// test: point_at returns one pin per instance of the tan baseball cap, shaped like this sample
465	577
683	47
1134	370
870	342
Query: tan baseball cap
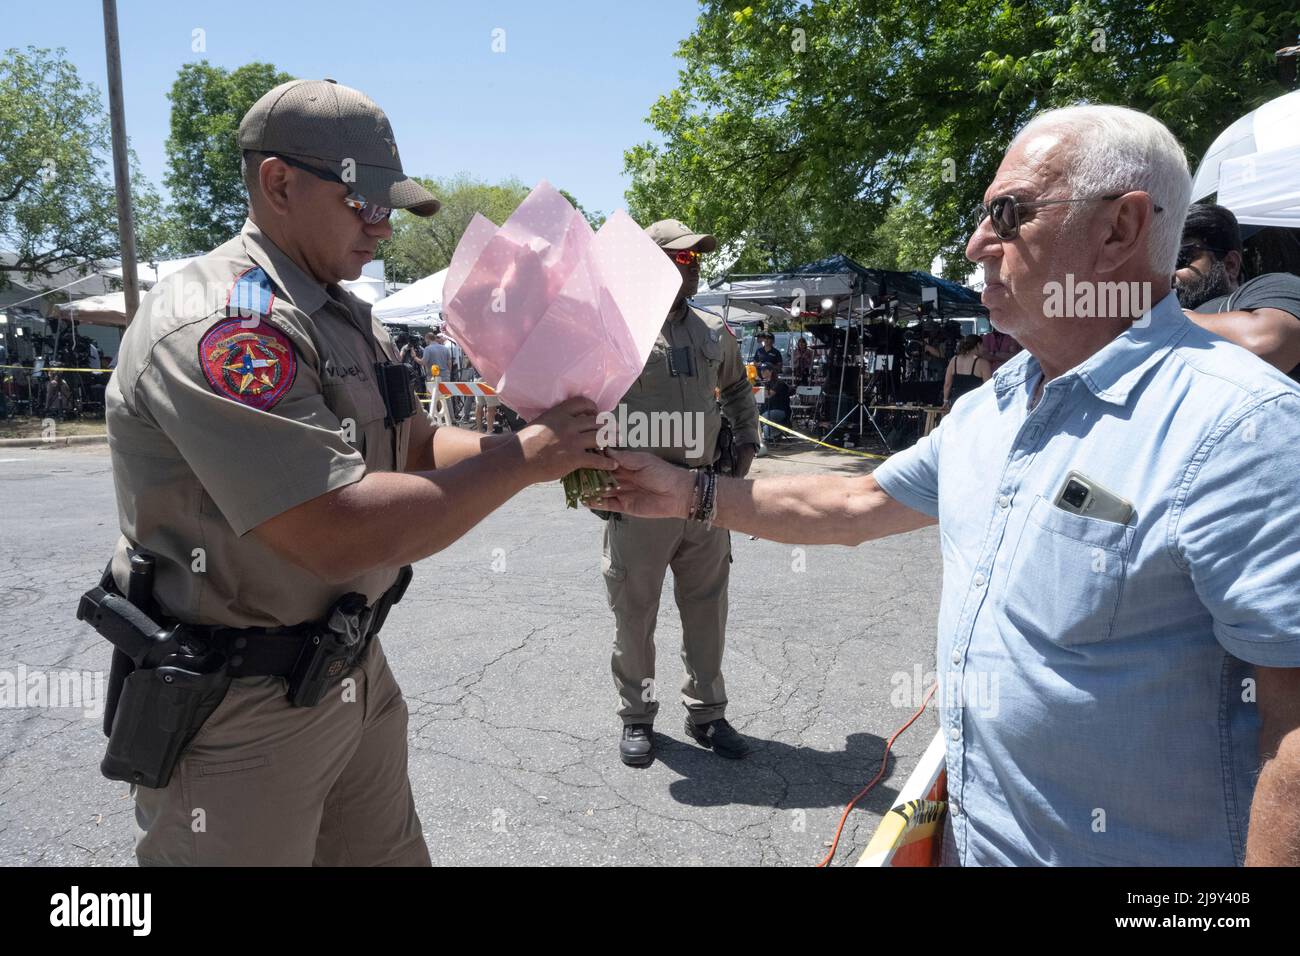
675	234
344	131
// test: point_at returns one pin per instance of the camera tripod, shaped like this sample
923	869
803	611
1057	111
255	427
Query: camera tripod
861	409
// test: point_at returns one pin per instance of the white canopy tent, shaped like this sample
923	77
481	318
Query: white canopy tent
108	309
366	288
150	274
369	286
419	305
1254	165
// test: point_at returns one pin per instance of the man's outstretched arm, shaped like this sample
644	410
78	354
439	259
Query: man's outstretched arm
819	509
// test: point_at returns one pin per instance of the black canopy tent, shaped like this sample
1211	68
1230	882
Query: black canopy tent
854	289
860	315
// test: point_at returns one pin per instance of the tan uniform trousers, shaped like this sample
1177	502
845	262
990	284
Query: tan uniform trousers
267	784
638	552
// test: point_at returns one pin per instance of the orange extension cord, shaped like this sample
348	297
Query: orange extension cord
884	762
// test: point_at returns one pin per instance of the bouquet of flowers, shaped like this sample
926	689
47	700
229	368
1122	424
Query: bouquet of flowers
548	310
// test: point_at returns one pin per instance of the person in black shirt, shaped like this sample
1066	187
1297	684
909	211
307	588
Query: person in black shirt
767	353
777	406
1261	315
967	371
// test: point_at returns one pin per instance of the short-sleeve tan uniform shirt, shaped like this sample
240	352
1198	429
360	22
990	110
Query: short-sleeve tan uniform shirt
719	379
244	388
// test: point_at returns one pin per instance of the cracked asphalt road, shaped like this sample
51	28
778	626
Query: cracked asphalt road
502	649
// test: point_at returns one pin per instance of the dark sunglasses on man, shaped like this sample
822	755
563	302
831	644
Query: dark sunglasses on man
370	214
686	257
1189	252
1003	212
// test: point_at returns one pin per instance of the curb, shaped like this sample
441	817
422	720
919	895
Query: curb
53	442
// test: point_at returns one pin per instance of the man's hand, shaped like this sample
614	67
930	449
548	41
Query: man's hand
648	487
562	440
745	458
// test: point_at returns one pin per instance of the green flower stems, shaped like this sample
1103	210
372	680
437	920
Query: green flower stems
585	483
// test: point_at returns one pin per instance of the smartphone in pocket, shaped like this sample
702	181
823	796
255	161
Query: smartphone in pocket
1082	495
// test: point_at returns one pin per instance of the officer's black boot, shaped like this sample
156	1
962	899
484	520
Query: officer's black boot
718	736
637	748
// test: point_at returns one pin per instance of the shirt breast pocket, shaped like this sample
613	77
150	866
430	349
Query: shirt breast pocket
1067	576
708	366
655	371
358	407
711	354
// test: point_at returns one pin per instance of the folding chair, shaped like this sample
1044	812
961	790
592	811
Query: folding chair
804	402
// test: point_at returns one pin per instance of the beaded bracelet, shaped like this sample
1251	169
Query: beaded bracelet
702	511
699	497
708	505
691	510
705	501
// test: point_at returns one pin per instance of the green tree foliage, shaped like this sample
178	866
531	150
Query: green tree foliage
208	201
57	205
421	246
594	219
872	127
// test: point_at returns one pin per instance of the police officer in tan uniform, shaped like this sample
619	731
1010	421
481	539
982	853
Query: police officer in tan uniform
695	366
273	482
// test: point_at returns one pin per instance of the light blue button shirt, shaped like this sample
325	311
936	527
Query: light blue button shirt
1097	692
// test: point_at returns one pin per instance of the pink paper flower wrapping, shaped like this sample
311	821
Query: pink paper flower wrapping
548	310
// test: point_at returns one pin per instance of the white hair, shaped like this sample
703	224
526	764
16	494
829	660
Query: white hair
1117	150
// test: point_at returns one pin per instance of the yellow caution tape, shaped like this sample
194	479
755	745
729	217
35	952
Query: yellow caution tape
837	448
56	368
842	451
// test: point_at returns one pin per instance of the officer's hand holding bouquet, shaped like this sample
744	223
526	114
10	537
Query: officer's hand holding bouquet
547	310
563	440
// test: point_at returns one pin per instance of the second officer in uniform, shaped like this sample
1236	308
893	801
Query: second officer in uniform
695	366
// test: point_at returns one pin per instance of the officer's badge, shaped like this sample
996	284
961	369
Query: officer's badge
253	366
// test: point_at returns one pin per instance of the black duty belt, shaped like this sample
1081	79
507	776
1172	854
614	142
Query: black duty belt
273	651
309	655
167	677
277	651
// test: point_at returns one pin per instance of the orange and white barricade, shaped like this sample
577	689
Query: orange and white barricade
441	412
911	833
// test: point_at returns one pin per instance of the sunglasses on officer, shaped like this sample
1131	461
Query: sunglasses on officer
370	214
686	257
1003	212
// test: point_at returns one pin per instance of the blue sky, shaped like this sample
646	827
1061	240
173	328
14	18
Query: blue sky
569	93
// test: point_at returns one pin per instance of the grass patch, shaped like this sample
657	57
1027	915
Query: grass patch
35	427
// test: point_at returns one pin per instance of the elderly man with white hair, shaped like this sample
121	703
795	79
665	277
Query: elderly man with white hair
1119	526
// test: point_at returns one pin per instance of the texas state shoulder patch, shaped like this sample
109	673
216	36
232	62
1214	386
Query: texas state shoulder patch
255	366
